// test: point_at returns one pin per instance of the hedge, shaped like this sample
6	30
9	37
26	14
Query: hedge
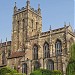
15	74
8	73
19	74
5	70
45	72
57	72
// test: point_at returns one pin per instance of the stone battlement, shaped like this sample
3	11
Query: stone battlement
27	7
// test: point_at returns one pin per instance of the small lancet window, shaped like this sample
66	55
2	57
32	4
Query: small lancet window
36	25
32	24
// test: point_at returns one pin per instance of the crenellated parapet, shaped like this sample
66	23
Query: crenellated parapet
53	32
31	9
27	7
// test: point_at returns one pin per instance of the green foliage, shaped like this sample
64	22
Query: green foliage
15	74
8	73
5	70
57	72
71	68
73	52
18	74
41	72
71	65
45	72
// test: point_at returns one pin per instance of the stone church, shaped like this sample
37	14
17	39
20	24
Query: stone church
30	48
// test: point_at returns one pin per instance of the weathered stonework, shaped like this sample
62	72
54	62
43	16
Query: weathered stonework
27	32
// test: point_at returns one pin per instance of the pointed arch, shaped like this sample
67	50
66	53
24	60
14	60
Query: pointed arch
24	68
50	64
58	47
35	52
3	57
36	65
46	51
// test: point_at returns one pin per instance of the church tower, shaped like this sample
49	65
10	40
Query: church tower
27	22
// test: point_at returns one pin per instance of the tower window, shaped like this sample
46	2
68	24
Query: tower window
32	25
23	24
18	26
36	24
3	57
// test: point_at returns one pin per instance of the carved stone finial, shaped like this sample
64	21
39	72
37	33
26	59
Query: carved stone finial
28	2
38	6
15	8
64	24
6	39
15	4
39	10
74	30
50	28
69	24
1	40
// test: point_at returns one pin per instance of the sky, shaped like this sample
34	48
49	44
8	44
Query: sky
54	13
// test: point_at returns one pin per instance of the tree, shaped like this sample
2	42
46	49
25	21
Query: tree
5	70
72	50
9	71
71	64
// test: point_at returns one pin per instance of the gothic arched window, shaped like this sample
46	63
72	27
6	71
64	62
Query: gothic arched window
18	26
50	65
46	51
9	53
35	52
23	24
36	25
3	57
24	68
32	24
36	65
58	47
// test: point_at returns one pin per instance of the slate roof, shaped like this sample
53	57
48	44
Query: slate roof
16	54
